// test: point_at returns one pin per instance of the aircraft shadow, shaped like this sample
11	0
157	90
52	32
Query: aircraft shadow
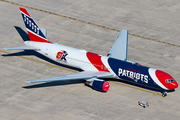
56	83
22	33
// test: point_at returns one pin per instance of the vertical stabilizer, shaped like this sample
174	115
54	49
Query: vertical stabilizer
34	32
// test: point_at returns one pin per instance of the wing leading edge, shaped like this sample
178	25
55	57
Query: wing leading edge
120	47
77	76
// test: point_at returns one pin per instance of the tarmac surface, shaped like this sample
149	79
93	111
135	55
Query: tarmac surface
92	25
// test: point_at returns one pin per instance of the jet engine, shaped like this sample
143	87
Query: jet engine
98	84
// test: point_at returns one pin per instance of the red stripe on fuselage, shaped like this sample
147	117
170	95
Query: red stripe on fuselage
95	59
36	38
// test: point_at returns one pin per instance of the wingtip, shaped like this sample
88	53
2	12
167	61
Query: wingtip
27	81
124	30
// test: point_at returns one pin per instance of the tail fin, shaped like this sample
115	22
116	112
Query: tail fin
34	32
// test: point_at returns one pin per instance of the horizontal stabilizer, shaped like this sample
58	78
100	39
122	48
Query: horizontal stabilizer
120	47
21	48
77	76
44	31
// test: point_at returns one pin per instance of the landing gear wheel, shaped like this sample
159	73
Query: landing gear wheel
84	81
164	94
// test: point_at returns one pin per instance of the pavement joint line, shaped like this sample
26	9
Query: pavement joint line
91	23
20	114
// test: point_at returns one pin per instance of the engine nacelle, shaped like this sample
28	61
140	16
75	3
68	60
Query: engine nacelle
98	84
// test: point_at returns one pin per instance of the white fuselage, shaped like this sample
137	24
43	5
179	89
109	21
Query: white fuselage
75	57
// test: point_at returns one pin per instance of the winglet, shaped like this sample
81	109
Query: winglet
34	32
120	47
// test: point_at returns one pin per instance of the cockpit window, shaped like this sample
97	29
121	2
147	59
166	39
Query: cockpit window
168	81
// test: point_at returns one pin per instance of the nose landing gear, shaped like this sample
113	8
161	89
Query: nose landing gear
164	93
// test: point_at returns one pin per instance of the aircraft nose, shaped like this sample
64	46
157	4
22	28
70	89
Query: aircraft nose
173	85
166	79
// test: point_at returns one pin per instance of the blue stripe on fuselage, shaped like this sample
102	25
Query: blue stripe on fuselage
132	72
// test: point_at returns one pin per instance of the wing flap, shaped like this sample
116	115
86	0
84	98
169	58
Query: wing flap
120	47
77	76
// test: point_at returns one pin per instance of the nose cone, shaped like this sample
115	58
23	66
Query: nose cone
173	85
166	79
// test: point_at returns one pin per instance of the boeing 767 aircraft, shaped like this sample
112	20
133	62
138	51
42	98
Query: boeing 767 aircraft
95	67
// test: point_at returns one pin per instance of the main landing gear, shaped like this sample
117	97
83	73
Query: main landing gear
164	93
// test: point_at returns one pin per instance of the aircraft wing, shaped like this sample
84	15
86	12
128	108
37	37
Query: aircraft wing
77	76
21	48
120	47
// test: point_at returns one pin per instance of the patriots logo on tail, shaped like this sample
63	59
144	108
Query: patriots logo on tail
34	32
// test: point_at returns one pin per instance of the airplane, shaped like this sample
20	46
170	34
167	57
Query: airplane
95	68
